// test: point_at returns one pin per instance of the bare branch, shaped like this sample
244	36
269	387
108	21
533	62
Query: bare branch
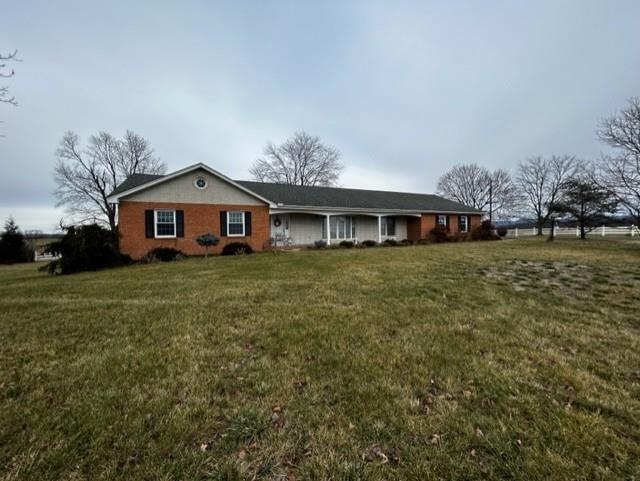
541	180
619	173
85	178
300	160
4	90
476	186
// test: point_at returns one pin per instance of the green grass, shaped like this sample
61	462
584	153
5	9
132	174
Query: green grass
509	360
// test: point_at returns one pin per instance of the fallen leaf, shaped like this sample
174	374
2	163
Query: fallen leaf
373	453
479	432
435	438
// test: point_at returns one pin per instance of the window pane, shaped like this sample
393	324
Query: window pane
165	225
235	221
165	229
165	216
391	226
341	225
235	217
333	222
353	228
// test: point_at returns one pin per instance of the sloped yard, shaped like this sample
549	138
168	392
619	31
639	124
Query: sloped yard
508	360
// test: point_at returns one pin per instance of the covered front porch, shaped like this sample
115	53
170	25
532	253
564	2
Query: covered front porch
295	228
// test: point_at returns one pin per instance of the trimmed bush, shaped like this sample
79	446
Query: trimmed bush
319	244
346	244
207	240
439	234
85	248
390	242
368	243
502	231
236	249
405	242
485	231
424	242
163	254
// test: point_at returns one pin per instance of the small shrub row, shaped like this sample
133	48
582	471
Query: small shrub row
486	231
162	254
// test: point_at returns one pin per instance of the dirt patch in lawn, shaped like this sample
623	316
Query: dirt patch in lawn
561	277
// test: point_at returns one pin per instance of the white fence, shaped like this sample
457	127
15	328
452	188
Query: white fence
602	231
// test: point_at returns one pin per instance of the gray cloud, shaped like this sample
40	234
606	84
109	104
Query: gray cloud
404	89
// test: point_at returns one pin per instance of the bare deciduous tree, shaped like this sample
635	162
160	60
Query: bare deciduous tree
478	187
300	160
541	180
620	172
5	73
85	177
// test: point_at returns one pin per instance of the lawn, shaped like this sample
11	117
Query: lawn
517	359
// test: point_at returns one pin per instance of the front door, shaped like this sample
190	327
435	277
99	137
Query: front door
280	229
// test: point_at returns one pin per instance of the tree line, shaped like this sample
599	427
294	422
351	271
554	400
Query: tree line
545	188
548	188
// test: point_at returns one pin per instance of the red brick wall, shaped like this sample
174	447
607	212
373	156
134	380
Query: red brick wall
198	219
414	225
419	228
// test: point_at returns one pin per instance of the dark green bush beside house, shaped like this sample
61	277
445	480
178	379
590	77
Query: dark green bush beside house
85	248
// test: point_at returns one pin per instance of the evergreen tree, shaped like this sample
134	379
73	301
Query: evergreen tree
13	247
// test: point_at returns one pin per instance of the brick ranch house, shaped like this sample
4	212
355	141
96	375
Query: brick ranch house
173	210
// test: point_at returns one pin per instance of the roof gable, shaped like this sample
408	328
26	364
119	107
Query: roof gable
139	182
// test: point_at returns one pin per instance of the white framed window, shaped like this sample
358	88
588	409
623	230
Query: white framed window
235	224
388	226
463	223
341	227
442	221
164	223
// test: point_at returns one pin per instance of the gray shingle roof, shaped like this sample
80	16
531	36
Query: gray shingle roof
134	181
353	198
295	195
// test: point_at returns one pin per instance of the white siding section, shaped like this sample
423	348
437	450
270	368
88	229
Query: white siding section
366	228
182	190
305	229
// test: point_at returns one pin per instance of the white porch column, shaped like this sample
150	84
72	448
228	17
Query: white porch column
328	230
379	229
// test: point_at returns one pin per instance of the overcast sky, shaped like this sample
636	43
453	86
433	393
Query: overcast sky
404	90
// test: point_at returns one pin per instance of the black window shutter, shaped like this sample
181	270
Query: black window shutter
447	223
223	223
460	223
247	223
148	224
179	223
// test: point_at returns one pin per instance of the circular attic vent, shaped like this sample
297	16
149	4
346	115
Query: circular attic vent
200	182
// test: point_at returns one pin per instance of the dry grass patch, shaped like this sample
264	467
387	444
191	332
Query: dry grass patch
506	360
